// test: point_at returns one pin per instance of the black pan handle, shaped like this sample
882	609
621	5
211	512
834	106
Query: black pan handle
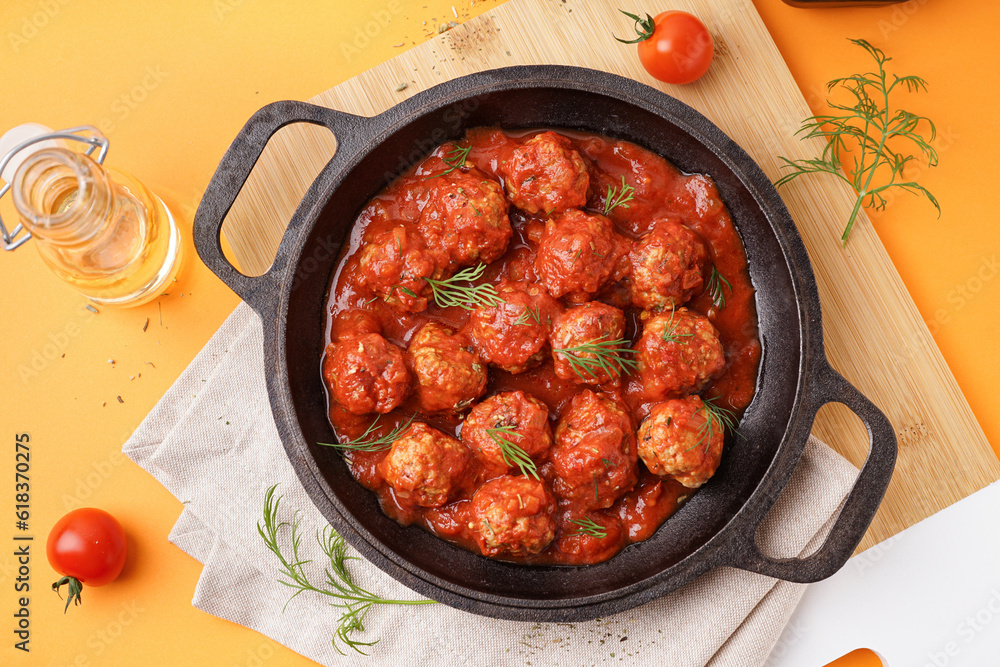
231	175
861	503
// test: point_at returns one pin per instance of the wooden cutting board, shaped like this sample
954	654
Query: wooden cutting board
874	333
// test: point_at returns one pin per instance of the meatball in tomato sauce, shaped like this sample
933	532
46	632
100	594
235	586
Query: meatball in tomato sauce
598	544
516	417
580	252
366	373
356	322
594	456
424	466
465	221
667	266
395	264
514	334
578	328
546	175
536	283
512	516
682	439
448	371
679	353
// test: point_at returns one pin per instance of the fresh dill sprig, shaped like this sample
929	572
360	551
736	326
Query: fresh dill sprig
670	334
454	158
616	197
448	293
512	454
354	601
716	417
586	359
589	527
529	315
716	286
870	130
468	200
362	443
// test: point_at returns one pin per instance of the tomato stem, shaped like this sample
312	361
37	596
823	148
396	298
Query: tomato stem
644	28
74	590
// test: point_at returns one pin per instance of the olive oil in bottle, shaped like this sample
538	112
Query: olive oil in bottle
97	228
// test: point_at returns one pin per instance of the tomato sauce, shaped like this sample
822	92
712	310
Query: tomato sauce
661	191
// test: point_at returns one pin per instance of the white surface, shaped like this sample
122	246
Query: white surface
928	597
16	135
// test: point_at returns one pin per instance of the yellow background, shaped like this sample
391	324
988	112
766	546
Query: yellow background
172	83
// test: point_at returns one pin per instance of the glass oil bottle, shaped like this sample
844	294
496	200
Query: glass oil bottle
97	228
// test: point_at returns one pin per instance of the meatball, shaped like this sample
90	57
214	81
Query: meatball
678	353
522	420
666	266
594	455
394	265
465	219
683	439
592	322
654	179
581	544
546	174
355	322
579	252
448	370
512	516
366	373
514	335
425	466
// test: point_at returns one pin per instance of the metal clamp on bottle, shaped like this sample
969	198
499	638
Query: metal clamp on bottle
97	228
93	139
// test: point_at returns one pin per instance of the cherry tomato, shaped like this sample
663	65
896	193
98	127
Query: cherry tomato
87	546
675	47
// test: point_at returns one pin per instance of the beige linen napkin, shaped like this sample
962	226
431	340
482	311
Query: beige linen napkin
211	441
